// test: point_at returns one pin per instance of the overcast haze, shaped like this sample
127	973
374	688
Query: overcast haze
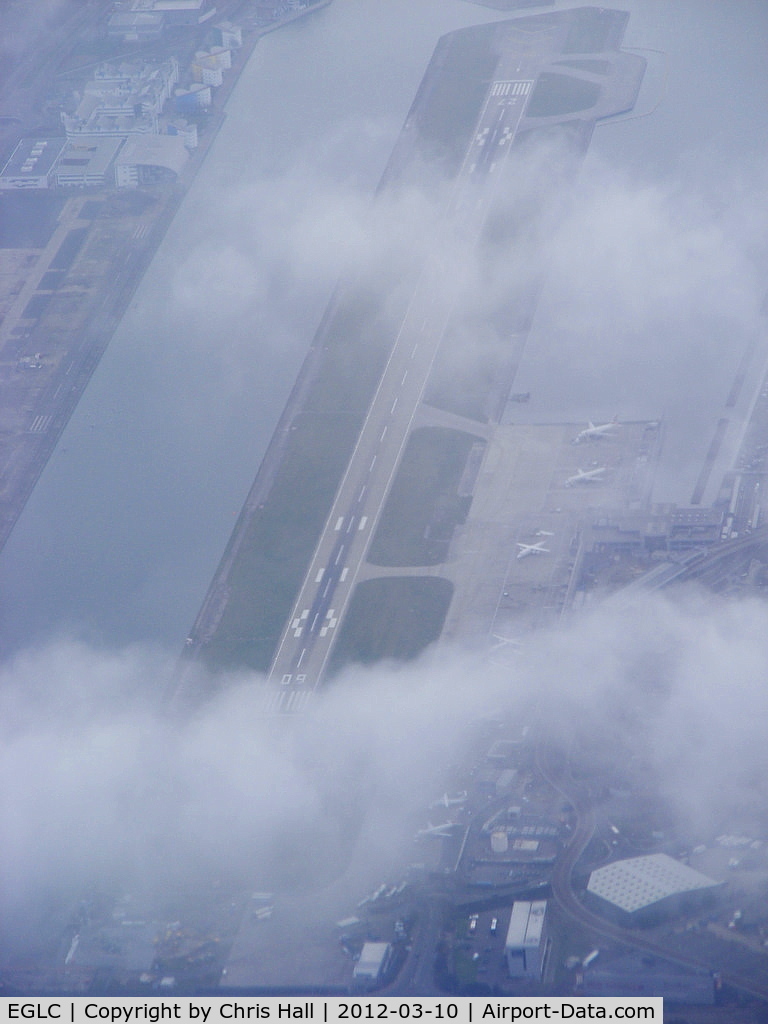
654	280
655	277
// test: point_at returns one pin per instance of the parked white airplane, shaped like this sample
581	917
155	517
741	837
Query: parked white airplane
532	549
592	432
544	533
585	476
451	801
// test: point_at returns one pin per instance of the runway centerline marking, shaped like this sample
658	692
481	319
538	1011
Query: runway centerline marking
501	105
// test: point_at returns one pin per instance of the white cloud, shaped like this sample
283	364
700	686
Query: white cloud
99	788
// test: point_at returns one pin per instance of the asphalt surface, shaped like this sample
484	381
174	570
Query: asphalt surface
306	644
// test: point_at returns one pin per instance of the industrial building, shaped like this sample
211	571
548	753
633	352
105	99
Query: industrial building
526	941
32	164
374	960
183	12
147	19
665	528
135	26
642	890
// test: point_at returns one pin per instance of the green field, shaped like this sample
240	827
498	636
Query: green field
282	535
423	507
557	95
392	617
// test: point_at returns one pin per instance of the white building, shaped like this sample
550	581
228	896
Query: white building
186	131
130	74
526	939
207	73
374	960
87	162
150	160
31	164
645	888
229	35
123	99
197	97
102	126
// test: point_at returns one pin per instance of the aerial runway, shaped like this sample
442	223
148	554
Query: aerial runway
487	92
308	637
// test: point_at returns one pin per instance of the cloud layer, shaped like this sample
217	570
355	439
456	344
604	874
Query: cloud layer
101	791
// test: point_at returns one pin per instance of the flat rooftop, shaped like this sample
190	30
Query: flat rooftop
33	157
89	156
526	924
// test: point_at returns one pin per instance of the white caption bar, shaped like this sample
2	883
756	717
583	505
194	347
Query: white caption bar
81	1009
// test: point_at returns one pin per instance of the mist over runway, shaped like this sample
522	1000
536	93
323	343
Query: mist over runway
123	533
654	281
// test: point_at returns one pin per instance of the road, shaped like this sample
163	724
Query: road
562	891
307	640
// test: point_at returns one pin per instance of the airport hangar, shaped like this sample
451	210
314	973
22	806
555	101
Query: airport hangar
644	890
